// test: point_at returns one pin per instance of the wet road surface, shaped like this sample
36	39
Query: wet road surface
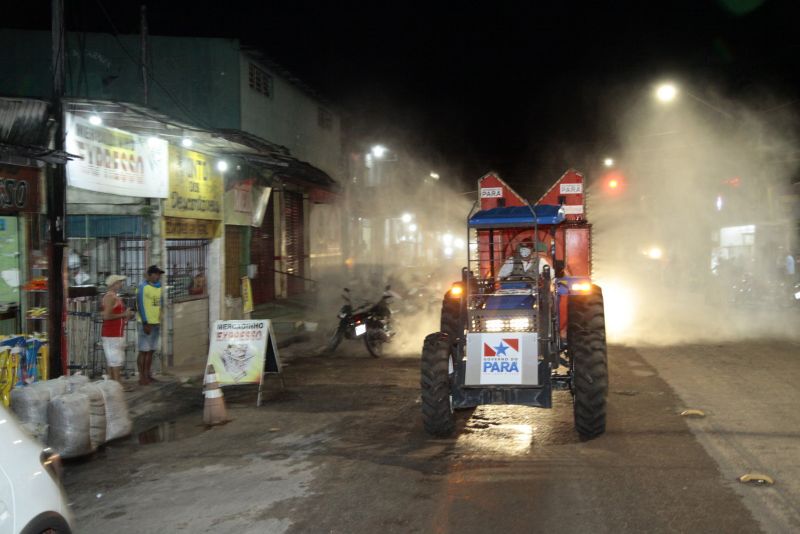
342	450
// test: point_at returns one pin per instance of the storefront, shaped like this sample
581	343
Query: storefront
195	259
246	203
23	252
113	192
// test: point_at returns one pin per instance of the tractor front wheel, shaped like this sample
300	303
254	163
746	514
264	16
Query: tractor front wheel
437	405
586	344
450	324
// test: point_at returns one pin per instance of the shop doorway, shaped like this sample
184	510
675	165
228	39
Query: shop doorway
187	301
262	252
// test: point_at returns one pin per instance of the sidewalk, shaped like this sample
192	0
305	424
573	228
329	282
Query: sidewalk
290	315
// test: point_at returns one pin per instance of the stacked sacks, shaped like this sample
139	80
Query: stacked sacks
97	414
70	425
118	421
72	415
30	403
30	406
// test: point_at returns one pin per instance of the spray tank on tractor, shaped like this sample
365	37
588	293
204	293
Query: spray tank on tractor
525	317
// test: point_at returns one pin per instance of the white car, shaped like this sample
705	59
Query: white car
31	498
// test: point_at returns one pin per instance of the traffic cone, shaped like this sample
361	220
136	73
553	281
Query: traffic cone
214	411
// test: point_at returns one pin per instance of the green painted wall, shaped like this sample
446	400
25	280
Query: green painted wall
98	67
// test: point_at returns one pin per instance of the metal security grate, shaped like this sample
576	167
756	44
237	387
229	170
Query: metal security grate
100	245
295	246
186	268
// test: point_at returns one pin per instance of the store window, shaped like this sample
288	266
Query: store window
186	268
101	245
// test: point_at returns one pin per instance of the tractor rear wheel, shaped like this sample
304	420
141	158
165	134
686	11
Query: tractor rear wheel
437	405
586	344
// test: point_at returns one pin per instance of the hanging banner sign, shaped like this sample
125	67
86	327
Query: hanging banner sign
114	161
246	203
195	186
19	189
178	228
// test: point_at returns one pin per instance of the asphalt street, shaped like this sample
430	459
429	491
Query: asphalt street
342	450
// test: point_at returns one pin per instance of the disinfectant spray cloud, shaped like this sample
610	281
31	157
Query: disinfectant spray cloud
692	224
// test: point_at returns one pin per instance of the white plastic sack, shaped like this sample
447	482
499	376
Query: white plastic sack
68	416
39	431
76	382
118	420
57	386
29	403
97	414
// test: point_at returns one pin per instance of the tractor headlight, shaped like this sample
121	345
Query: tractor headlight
520	323
495	325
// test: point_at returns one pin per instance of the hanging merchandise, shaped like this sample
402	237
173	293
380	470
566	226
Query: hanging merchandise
8	373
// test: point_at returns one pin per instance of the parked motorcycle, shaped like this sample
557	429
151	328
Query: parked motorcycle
370	321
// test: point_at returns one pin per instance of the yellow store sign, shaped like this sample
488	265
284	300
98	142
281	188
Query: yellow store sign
195	186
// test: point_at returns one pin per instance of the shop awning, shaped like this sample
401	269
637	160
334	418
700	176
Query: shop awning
26	132
275	158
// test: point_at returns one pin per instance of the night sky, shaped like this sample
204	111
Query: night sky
520	87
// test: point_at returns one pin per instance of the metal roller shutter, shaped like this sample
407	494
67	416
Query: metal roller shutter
262	252
295	249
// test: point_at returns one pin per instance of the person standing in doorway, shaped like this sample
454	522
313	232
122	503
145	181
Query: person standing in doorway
148	302
113	333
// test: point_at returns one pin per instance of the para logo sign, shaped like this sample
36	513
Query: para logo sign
502	359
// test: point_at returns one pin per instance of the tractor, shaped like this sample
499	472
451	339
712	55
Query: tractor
525	318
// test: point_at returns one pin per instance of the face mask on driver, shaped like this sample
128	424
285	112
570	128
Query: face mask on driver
524	252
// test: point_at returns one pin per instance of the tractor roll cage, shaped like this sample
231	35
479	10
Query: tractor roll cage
512	223
493	236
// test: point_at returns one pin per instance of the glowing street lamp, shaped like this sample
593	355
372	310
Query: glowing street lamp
379	151
608	162
406	218
666	92
222	165
95	120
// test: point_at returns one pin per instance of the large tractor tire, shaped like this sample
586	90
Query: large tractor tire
437	405
586	345
450	324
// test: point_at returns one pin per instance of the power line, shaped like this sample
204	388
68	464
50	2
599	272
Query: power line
150	75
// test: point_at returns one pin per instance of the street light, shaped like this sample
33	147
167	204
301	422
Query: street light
379	151
186	142
406	218
222	165
666	92
435	175
95	120
608	162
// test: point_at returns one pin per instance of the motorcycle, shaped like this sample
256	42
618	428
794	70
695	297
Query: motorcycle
370	321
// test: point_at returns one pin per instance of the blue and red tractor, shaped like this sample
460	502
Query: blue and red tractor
525	317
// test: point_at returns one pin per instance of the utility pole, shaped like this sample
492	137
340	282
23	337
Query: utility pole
56	204
143	26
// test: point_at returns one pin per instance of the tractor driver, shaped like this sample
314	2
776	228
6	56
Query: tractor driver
523	262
